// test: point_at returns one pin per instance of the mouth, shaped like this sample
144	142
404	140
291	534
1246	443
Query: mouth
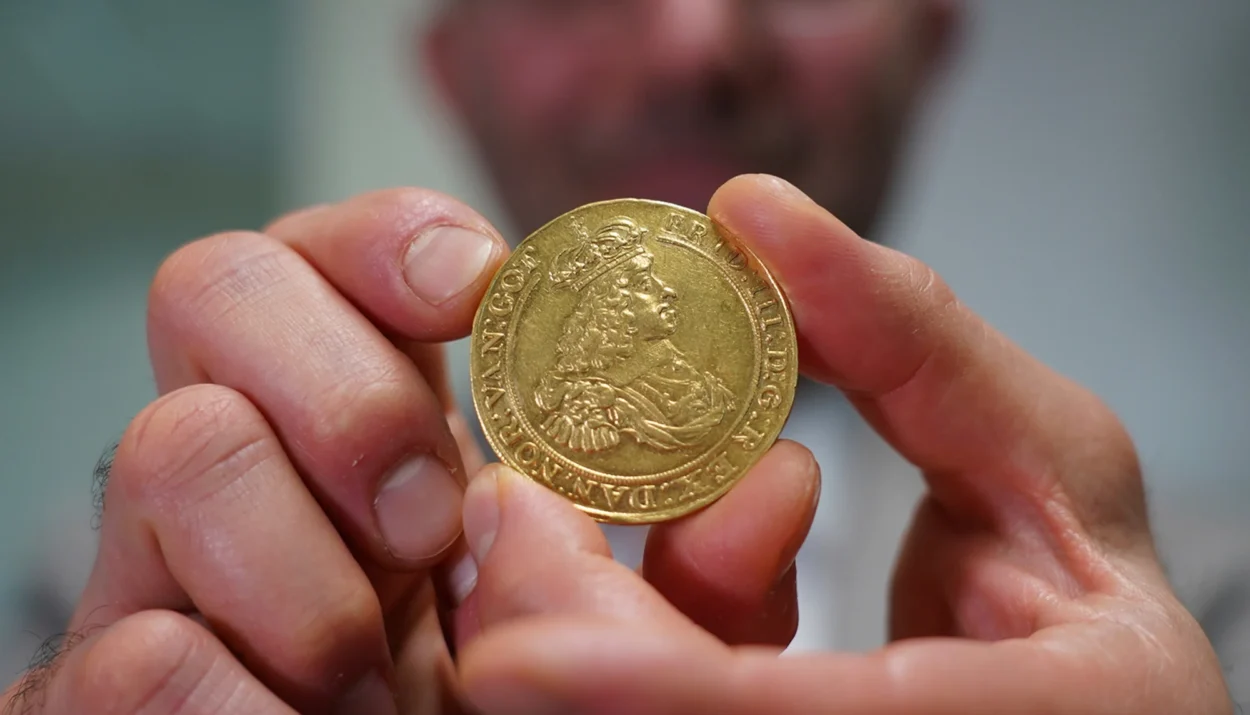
686	181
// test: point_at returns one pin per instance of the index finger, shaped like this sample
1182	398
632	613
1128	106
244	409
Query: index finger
415	261
985	421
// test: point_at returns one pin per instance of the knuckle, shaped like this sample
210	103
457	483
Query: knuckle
1106	481
212	276
418	203
344	623
1109	447
920	311
292	220
409	208
142	660
193	439
929	291
1120	451
380	399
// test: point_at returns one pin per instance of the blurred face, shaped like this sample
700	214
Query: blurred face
573	101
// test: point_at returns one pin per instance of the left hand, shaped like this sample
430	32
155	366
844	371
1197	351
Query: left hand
1028	583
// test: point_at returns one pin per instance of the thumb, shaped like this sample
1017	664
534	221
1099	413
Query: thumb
537	554
990	426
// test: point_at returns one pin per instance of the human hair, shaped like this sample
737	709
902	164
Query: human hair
600	331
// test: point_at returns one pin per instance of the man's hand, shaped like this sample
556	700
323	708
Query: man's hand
273	516
271	522
1028	583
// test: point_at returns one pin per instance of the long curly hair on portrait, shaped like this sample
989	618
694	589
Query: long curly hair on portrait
600	331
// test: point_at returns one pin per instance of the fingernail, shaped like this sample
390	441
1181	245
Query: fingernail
481	512
418	508
370	696
462	578
444	261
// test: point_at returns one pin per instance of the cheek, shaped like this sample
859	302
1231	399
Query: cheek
539	79
831	76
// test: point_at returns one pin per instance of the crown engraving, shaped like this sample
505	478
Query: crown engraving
595	254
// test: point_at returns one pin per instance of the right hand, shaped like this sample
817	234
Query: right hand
272	518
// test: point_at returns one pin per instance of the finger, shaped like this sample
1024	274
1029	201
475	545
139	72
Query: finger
730	567
563	666
992	428
414	261
354	414
157	662
425	670
537	554
205	514
431	360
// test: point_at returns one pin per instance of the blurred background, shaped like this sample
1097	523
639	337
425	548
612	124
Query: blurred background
1083	181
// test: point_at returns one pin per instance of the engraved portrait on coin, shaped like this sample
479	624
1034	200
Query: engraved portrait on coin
633	359
616	371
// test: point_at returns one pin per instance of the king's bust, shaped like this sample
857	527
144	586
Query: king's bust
616	371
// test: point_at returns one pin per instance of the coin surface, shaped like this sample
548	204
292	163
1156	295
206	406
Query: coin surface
634	358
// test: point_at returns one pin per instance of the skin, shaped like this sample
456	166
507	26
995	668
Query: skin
247	564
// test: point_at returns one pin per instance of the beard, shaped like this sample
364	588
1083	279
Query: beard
679	144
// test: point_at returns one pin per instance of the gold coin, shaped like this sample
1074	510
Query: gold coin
634	358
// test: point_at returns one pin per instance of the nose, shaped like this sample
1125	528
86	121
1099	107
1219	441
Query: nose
686	38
